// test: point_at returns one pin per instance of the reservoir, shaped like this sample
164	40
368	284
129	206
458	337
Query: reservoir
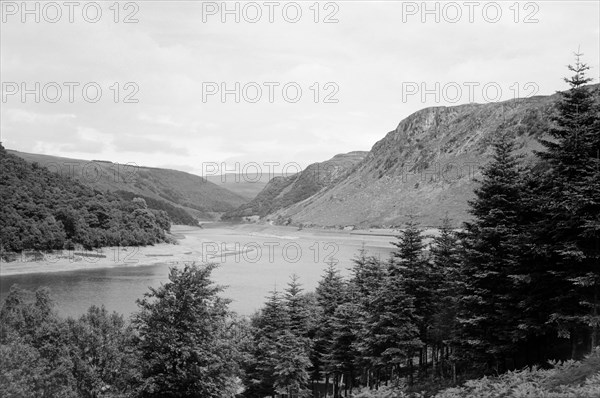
253	260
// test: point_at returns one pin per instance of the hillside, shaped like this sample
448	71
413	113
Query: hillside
191	193
285	191
426	166
42	210
245	185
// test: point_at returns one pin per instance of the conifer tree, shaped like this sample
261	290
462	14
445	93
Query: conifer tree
297	307
489	310
330	292
390	336
344	356
368	276
269	325
291	364
413	271
571	228
445	275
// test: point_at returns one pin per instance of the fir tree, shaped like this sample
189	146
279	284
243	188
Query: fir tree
412	270
445	276
330	293
492	263
297	307
269	325
571	203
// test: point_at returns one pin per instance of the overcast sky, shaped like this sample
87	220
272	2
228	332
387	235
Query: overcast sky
377	58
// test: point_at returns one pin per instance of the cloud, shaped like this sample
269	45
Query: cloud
170	53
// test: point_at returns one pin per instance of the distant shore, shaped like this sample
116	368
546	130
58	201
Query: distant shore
190	241
186	250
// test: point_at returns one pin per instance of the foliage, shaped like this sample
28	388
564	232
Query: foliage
44	355
184	346
526	383
42	210
177	215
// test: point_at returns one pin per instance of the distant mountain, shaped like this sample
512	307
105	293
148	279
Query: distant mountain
285	191
245	185
427	166
193	194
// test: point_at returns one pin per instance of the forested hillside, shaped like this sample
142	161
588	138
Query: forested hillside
177	214
193	194
42	210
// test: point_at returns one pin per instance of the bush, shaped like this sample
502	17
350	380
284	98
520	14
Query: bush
569	379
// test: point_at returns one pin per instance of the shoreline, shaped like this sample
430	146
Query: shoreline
107	257
190	241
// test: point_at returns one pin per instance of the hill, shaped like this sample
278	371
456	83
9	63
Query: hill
427	166
42	210
164	189
285	191
246	185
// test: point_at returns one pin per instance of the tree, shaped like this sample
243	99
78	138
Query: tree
103	353
182	337
291	364
268	325
34	356
390	336
489	310
330	292
344	355
368	276
571	203
412	271
446	285
297	307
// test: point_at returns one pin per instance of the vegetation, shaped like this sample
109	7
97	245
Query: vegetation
476	302
179	344
516	288
42	210
182	339
194	194
176	214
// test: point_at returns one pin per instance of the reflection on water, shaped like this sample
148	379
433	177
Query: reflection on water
248	279
75	291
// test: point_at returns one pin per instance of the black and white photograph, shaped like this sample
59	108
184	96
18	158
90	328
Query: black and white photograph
300	199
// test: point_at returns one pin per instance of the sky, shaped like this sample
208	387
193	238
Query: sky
185	85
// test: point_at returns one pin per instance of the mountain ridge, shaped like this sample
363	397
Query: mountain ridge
427	166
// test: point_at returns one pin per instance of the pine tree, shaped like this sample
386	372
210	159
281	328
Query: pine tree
414	273
391	336
344	356
571	203
294	345
446	284
291	364
268	326
492	265
331	293
368	276
297	307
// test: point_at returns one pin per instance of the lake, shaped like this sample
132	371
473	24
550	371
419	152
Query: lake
254	260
